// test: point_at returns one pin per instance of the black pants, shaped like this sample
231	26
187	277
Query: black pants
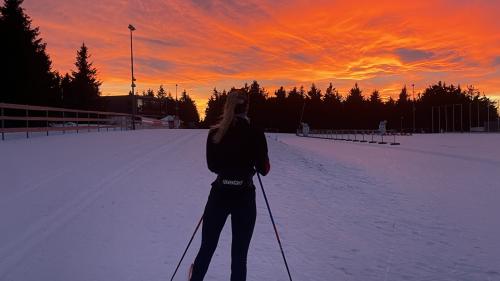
222	201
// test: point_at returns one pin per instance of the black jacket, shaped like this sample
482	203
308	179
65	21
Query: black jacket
242	148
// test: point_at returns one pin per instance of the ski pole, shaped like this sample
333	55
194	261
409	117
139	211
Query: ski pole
274	225
185	251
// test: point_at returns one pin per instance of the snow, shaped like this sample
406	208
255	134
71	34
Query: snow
121	205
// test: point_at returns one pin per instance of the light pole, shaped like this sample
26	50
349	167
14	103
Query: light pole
413	96
498	115
432	119
132	28
487	115
176	103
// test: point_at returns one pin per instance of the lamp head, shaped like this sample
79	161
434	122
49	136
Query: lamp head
131	27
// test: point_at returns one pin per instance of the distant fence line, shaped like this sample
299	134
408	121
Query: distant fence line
17	118
363	136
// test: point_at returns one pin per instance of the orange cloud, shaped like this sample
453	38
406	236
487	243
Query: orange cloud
202	44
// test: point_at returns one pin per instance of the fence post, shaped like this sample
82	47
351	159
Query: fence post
77	123
47	121
27	125
453	119
105	123
432	119
64	131
470	116
446	118
382	139
372	133
394	142
88	122
3	124
488	114
461	118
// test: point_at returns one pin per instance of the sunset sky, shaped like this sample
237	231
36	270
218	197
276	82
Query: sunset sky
202	44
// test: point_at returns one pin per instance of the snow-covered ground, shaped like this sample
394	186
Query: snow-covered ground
119	206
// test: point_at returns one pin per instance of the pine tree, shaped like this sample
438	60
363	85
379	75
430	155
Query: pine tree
403	97
84	84
294	104
149	93
313	107
257	105
354	106
66	90
187	111
215	107
314	93
26	72
375	98
332	108
280	93
161	93
355	95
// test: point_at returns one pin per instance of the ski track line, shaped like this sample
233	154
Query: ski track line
36	182
342	188
415	225
30	187
12	254
391	253
65	213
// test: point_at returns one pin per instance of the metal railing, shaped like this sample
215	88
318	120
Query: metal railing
362	136
17	118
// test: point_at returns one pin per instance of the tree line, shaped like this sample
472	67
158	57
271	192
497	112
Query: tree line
448	107
165	104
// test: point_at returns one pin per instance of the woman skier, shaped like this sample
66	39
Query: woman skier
235	151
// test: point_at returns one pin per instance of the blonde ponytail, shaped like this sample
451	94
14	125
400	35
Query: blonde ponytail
235	98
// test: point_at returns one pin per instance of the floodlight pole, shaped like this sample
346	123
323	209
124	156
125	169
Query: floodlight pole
461	118
432	119
413	95
498	115
439	119
488	114
470	115
132	85
176	102
478	123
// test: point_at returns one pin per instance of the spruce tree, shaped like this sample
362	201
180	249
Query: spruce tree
26	72
66	90
257	101
187	111
161	93
84	84
354	106
215	107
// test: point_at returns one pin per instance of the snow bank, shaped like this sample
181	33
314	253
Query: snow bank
122	205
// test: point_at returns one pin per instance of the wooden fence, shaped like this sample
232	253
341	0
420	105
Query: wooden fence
16	118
